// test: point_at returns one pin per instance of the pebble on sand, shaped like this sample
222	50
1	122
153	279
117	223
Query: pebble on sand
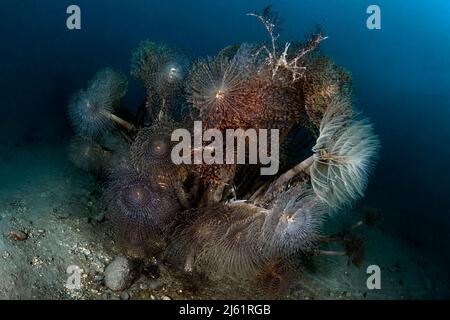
119	274
18	235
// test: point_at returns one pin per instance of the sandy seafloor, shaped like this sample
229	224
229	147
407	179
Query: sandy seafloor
60	209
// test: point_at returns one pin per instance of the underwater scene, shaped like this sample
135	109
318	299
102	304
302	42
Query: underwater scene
217	150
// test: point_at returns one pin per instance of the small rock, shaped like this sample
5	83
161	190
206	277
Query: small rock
85	251
119	274
165	298
18	235
154	284
124	296
98	279
36	261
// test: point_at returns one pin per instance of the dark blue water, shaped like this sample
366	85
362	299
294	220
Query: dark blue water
401	78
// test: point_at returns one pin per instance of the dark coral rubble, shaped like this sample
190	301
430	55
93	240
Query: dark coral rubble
226	221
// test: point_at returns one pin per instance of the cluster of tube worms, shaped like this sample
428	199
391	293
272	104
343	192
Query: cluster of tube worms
225	221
